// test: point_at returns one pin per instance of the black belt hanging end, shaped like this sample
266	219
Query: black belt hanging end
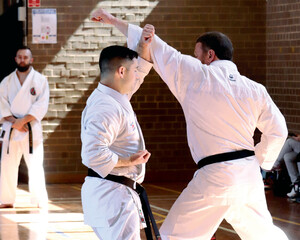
30	138
143	197
148	214
9	136
1	143
2	134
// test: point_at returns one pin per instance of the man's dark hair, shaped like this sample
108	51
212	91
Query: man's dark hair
112	57
23	48
218	42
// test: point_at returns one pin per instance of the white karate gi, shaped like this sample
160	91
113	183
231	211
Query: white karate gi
31	98
109	129
222	109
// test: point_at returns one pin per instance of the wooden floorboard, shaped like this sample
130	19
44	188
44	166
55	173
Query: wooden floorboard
64	219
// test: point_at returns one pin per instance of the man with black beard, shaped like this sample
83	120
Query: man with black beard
24	98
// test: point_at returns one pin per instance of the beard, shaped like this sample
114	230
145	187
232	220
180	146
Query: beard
23	68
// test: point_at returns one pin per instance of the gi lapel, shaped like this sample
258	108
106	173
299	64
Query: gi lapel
22	102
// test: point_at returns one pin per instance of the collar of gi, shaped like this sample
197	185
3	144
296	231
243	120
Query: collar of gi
29	76
122	99
225	63
29	73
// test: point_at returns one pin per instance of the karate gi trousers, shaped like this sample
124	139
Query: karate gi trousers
9	171
196	215
111	209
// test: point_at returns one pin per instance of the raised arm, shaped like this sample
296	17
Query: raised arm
175	69
143	47
144	59
100	15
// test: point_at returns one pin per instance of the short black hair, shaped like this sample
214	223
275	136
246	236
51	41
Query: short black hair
218	42
24	48
112	57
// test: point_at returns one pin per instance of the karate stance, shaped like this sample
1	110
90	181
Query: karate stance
24	98
222	110
113	148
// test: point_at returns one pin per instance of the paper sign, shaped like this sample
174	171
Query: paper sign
44	26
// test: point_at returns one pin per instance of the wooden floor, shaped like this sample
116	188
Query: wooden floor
64	219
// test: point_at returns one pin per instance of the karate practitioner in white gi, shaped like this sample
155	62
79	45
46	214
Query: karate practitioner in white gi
222	109
113	143
24	98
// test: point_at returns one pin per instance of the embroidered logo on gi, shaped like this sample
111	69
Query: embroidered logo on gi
142	216
231	77
32	91
132	126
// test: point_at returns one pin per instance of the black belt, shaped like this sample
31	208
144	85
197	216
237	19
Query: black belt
143	197
30	138
223	157
1	142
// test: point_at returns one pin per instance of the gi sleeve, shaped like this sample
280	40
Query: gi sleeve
4	103
144	68
274	132
40	107
100	127
176	70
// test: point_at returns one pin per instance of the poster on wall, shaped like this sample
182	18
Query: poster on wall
34	3
44	26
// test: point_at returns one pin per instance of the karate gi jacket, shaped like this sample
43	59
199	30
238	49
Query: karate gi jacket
109	129
222	109
31	98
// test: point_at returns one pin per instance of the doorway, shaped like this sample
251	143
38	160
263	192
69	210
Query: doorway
12	35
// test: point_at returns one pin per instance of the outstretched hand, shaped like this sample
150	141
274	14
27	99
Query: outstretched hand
100	15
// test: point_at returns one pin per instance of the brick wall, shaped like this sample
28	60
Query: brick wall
283	58
71	66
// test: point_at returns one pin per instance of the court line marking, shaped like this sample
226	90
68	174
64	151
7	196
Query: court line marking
174	191
159	208
167	211
160	221
287	221
77	188
227	230
64	201
275	218
160	215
